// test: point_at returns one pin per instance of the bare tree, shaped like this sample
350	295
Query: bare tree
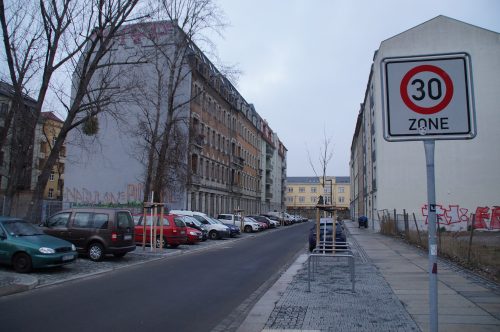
324	158
80	33
165	121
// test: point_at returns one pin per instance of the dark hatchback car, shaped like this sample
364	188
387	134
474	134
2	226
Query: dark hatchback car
194	223
94	231
326	231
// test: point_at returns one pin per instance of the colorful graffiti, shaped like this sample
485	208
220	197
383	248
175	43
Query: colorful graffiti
134	193
486	217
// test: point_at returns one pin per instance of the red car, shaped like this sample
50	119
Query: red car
193	235
174	231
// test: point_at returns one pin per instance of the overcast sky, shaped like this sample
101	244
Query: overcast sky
306	63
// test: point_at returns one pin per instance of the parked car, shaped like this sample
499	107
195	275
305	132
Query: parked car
234	219
194	223
25	246
215	230
270	223
276	220
233	229
263	225
326	231
193	235
174	230
94	231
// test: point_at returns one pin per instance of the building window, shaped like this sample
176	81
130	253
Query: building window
51	193
314	199
302	199
302	189
341	190
290	189
341	199
52	176
313	189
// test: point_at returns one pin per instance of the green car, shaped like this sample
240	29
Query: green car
24	246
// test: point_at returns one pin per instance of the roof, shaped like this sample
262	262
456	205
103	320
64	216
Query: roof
343	179
51	116
316	180
302	179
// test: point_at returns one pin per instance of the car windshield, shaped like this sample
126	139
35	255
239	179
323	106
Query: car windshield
215	221
193	220
21	228
179	222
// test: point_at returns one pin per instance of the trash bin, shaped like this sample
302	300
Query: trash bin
363	222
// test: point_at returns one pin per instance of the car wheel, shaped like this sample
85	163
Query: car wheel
119	254
22	263
213	235
248	229
163	243
96	251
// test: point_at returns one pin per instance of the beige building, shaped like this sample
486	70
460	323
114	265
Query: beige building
302	194
50	126
47	129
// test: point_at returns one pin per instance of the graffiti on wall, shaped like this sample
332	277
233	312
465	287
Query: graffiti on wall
133	194
486	217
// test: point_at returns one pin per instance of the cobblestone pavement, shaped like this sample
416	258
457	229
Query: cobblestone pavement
332	306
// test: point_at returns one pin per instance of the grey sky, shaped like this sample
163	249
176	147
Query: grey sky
305	63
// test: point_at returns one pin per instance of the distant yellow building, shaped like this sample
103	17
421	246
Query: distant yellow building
51	126
302	194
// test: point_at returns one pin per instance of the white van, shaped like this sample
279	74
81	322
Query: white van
215	230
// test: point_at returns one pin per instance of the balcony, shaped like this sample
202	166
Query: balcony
236	189
198	141
269	195
237	162
195	179
269	180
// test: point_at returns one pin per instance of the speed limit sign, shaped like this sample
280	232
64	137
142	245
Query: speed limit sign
428	97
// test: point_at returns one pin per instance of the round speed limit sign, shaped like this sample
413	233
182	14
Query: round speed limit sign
427	97
426	89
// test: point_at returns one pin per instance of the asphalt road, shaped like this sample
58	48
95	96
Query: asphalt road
210	290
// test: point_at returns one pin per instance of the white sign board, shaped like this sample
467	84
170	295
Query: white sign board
428	98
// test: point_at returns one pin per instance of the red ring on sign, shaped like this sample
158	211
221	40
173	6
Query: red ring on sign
403	89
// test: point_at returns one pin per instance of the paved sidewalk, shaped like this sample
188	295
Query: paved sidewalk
391	293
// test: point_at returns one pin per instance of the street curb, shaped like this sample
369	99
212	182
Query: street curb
17	284
258	316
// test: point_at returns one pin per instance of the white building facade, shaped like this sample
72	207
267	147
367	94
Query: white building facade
391	176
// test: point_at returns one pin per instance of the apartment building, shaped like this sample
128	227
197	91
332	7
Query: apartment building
302	194
391	176
46	130
225	166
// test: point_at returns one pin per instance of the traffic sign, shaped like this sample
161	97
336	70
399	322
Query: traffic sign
428	97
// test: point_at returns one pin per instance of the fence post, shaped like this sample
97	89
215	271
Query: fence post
407	226
418	232
396	230
470	239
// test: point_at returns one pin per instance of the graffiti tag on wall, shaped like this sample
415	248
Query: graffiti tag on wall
486	217
133	194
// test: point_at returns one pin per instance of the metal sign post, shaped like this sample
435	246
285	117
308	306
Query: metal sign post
428	98
431	203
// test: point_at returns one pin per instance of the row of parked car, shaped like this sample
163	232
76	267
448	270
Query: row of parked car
96	232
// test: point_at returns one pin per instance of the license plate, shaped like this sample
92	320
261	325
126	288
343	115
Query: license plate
127	237
67	257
